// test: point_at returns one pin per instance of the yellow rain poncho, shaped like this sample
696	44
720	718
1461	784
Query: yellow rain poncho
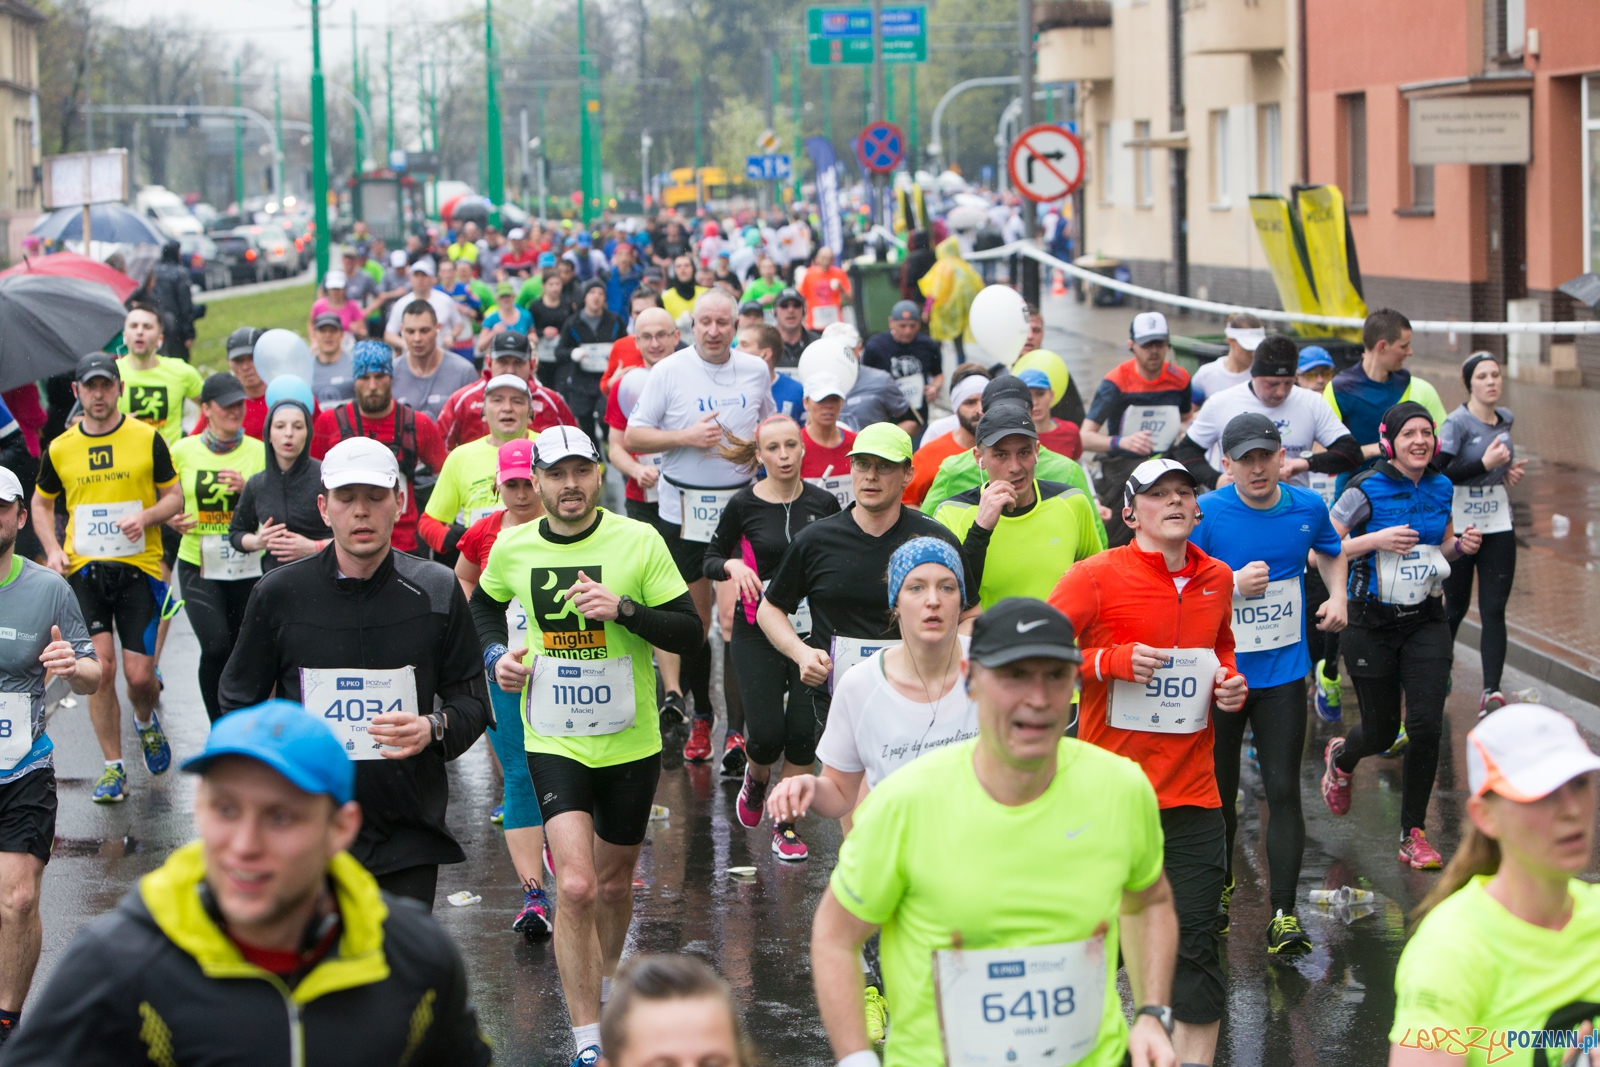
952	284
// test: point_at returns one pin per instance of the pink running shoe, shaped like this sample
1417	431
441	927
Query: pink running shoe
1416	852
752	795
1335	783
786	844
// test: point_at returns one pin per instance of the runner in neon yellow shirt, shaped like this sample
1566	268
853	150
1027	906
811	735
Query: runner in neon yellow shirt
154	386
466	490
1077	832
1507	953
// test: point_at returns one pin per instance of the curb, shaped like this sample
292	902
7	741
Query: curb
1542	665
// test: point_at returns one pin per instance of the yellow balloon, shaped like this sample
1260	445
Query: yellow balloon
1054	367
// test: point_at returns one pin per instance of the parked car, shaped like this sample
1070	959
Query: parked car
204	260
278	250
241	253
167	210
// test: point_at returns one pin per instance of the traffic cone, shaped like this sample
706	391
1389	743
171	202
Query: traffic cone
1059	286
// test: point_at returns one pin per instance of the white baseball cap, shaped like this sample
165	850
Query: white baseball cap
1249	338
1148	326
1524	752
517	233
425	265
10	487
397	258
507	381
360	461
1148	473
335	279
557	443
822	386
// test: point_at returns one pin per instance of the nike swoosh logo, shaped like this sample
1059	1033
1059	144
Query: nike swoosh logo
1207	592
1024	627
1074	833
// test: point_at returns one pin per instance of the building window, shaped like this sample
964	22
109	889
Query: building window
1354	145
1422	187
1102	133
1513	27
1219	158
21	55
1143	168
1269	148
22	163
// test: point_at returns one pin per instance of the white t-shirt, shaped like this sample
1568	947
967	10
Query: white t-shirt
680	390
450	318
872	727
940	426
1302	418
1213	378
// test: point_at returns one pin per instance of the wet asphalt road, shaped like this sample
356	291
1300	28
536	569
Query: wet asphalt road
1330	1008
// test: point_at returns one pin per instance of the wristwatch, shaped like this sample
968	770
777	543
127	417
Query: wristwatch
1162	1014
625	606
437	718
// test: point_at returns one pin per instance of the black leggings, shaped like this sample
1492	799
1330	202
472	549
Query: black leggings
216	611
1321	645
1277	718
1496	565
777	727
1400	669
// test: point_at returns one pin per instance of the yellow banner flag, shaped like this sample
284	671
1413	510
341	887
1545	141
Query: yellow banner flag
1323	223
1286	259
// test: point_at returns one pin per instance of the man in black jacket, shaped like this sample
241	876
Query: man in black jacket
584	349
170	287
263	942
365	637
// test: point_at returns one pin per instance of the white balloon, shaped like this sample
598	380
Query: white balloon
281	352
999	318
828	356
629	387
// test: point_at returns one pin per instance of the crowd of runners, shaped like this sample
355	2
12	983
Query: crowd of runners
949	634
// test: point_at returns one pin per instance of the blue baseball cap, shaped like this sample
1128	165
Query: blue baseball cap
547	259
371	357
1312	357
1034	378
287	738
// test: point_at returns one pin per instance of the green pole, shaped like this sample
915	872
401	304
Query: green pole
238	142
794	97
359	146
277	126
319	145
866	96
544	147
888	93
699	154
433	124
827	104
911	108
495	186
588	115
388	77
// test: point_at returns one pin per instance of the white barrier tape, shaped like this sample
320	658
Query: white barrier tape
1268	315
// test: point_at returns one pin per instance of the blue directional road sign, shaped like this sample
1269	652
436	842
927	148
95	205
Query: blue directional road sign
767	168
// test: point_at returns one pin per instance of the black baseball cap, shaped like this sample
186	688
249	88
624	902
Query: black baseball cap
509	343
98	365
1007	387
1020	627
327	318
789	296
752	307
1275	357
223	389
1003	420
242	342
1248	432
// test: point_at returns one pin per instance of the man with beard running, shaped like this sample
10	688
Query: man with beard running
410	435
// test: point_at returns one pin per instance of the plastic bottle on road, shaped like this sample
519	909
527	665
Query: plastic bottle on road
1342	895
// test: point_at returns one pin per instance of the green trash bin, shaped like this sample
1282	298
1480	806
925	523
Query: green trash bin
876	289
1192	353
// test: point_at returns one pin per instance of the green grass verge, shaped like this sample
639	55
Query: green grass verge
274	309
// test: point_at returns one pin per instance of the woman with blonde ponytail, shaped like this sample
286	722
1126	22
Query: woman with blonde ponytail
1508	943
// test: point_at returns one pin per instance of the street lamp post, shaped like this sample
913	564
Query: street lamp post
319	144
355	84
388	70
588	133
277	149
644	166
495	185
238	142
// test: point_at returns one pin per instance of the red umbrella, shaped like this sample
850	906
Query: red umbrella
72	265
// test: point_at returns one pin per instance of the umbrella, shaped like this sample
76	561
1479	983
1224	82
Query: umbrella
72	265
470	209
48	322
109	222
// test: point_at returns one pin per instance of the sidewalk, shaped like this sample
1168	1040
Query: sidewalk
1552	618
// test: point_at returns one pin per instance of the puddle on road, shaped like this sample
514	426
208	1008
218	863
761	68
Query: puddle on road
93	846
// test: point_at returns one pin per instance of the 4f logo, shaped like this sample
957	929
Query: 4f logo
148	403
558	620
100	457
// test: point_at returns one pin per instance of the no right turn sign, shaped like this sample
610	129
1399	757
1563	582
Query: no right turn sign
1046	163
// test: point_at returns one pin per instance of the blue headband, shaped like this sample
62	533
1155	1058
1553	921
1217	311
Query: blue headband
371	357
913	554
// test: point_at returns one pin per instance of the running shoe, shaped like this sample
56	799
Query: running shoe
733	758
497	814
1335	783
1400	743
153	740
698	748
112	788
1329	695
1284	936
752	796
786	844
877	1015
587	1057
1492	700
533	921
674	712
1416	852
1223	923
